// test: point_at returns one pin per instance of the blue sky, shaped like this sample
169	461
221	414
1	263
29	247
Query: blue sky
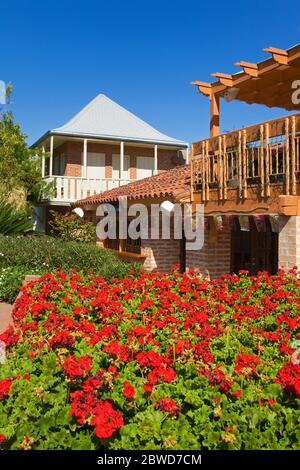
142	54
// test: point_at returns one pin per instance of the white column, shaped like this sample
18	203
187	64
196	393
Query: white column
121	160
187	156
43	161
84	158
51	156
155	159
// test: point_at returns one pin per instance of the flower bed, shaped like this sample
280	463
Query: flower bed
153	362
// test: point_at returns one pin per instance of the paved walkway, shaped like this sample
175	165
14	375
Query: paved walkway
5	316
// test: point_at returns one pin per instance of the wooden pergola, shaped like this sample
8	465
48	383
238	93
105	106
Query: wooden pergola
271	82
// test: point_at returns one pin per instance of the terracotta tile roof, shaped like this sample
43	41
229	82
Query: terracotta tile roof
172	183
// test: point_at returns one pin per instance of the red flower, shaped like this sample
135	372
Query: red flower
237	394
82	405
5	385
168	405
31	354
26	376
289	378
2	438
77	368
106	419
128	390
245	364
62	339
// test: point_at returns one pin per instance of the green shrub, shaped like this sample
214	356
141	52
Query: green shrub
42	254
70	227
11	281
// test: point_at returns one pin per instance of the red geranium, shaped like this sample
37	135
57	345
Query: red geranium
128	390
106	419
168	405
246	364
289	378
5	385
77	368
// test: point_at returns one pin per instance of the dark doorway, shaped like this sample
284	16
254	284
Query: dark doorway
254	251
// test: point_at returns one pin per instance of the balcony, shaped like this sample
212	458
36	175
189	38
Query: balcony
69	189
248	169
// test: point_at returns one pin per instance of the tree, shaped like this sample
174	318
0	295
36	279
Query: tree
21	180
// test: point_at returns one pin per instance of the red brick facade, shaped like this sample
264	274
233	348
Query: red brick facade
212	260
289	242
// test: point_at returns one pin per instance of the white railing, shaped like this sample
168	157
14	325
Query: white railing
72	188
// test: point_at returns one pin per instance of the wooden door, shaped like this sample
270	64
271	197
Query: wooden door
254	251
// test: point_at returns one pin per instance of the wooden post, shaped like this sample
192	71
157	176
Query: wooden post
214	115
287	156
206	170
192	169
203	171
267	175
240	165
293	169
220	168
262	165
225	176
244	161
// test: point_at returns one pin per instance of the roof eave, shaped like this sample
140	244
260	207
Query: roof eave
178	144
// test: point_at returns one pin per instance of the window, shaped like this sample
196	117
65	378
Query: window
95	165
144	167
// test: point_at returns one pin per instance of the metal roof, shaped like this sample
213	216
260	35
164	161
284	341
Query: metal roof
103	118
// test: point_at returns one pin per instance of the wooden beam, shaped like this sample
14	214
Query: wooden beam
224	78
248	67
214	115
279	55
203	87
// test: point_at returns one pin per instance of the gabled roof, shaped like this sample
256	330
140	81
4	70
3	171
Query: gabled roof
103	118
173	183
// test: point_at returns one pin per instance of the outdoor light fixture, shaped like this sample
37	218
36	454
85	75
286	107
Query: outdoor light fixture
78	211
230	94
167	206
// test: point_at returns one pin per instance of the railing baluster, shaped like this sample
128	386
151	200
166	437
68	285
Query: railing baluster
261	158
203	171
287	156
225	175
240	165
66	189
293	155
244	160
220	168
267	157
206	170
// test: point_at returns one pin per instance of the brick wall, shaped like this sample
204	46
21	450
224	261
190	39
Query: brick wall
213	259
289	242
161	255
167	159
